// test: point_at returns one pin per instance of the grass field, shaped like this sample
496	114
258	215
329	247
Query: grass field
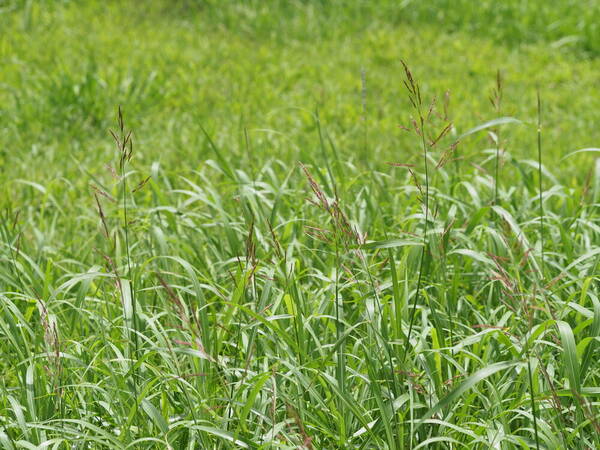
250	225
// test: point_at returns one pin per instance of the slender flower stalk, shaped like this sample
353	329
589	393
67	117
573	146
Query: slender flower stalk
539	147
421	127
414	95
496	100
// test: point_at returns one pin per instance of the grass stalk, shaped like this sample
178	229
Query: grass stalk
496	99
416	100
540	192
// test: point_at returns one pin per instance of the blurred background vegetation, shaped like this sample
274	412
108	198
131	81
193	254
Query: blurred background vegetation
268	66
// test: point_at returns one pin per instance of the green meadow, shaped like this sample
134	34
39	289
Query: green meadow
304	224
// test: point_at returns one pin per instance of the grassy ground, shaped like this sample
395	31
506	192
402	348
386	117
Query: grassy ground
276	262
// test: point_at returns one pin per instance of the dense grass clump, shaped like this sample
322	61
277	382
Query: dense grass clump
341	257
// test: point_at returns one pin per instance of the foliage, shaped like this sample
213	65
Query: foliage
302	242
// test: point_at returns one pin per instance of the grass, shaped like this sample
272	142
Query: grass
278	255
